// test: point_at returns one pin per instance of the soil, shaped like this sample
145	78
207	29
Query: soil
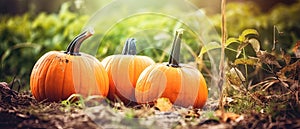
21	110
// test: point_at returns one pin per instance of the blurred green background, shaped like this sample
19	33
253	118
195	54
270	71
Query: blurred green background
30	28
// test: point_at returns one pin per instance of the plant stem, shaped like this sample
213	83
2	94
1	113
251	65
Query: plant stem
129	47
73	48
175	51
223	42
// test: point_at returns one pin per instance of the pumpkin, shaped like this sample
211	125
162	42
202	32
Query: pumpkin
58	74
183	84
123	71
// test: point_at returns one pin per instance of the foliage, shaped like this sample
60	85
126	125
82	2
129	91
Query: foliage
272	86
151	41
241	16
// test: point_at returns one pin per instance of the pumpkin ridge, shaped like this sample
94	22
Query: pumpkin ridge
63	81
46	84
69	84
56	69
61	88
94	84
83	82
163	70
80	76
34	89
133	66
36	85
134	77
44	76
202	89
86	81
37	75
122	93
108	60
115	67
60	80
143	89
172	86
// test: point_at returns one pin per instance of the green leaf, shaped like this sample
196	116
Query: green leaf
214	45
18	46
243	37
232	40
5	55
240	48
209	46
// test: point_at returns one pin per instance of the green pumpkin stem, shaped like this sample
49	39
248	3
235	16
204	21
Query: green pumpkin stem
175	51
129	47
73	48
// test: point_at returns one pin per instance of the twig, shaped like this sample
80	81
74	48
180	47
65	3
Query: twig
12	83
221	67
275	40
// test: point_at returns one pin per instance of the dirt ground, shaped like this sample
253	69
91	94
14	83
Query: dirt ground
21	110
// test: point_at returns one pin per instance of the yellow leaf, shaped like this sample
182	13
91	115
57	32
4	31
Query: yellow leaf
246	33
227	116
163	104
250	61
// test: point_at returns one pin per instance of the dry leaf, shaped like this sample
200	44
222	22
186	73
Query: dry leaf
3	84
255	44
235	77
163	104
250	61
289	71
228	116
286	57
268	58
296	49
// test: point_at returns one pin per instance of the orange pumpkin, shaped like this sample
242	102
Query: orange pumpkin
57	74
123	71
183	84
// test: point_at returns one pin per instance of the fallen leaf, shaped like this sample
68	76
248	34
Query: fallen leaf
296	49
290	71
286	57
163	104
228	116
4	85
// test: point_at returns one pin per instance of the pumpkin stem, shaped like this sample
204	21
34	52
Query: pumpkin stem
129	47
73	48
175	51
